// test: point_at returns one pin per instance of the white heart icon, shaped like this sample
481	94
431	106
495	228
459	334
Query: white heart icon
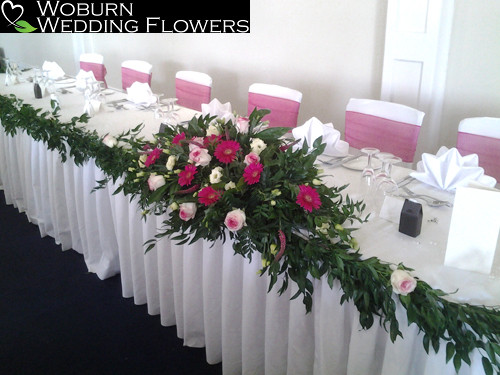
12	8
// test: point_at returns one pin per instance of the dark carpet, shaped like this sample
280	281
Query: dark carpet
57	318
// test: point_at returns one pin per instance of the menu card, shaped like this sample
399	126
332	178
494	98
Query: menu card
474	229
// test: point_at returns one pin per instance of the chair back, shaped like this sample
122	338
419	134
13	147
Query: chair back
481	136
136	71
192	89
390	127
94	62
283	102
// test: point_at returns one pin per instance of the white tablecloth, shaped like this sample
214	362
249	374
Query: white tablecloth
216	299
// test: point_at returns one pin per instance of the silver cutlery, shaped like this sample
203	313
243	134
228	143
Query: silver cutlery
430	200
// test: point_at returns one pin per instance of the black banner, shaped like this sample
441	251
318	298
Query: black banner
56	16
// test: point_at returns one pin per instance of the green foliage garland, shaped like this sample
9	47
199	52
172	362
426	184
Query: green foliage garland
317	243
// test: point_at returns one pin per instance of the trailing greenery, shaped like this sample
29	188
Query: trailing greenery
297	237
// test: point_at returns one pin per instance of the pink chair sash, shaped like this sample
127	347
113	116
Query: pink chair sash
486	148
284	112
398	138
129	76
99	70
191	95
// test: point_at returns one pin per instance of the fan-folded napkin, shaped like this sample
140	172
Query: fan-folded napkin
53	69
448	170
216	108
312	129
82	78
140	93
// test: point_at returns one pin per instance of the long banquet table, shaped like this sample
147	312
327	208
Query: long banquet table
214	298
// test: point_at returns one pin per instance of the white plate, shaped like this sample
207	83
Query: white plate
359	164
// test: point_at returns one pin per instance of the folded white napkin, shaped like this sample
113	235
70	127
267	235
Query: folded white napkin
313	128
82	78
216	108
54	70
140	93
448	169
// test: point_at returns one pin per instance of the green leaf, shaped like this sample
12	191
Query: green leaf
24	27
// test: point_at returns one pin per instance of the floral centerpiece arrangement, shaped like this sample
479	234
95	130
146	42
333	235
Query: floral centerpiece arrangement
226	175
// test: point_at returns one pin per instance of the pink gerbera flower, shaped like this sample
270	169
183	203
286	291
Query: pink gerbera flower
308	198
186	176
252	173
178	138
153	156
226	151
208	195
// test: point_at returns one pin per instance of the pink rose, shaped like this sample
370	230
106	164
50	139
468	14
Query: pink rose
187	211
402	282
251	158
242	124
235	220
155	181
200	156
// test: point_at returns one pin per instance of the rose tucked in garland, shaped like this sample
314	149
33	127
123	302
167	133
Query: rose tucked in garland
295	233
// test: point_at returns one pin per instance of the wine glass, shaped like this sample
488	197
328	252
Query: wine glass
171	117
368	171
383	172
386	184
158	111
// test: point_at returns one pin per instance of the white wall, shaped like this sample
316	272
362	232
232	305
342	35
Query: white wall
331	50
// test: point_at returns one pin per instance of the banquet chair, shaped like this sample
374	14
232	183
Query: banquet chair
389	127
192	89
481	136
135	71
94	62
283	102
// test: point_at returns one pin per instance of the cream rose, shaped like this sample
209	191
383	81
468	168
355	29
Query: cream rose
402	282
155	181
216	175
200	156
187	211
235	220
110	141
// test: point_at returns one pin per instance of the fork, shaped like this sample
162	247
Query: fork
431	201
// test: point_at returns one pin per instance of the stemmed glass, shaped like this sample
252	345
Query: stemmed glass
158	111
386	184
171	117
368	171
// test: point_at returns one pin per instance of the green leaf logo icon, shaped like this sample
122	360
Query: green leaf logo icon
24	27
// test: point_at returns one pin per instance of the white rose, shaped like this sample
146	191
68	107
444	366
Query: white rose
155	181
110	141
257	145
200	156
402	282
216	175
235	220
171	162
187	211
229	185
